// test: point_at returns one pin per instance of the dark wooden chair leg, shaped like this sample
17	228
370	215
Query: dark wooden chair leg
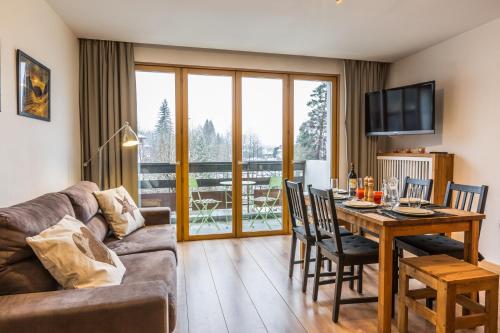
351	282
307	259
395	278
338	291
360	279
317	272
330	266
292	255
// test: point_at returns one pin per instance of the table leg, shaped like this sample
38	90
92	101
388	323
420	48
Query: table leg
385	281
471	252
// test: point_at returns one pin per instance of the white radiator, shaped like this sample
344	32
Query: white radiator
403	166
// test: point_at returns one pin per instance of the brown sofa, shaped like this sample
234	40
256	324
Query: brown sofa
32	301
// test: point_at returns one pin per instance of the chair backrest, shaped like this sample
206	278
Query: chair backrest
296	204
325	216
275	182
424	184
274	188
465	195
193	183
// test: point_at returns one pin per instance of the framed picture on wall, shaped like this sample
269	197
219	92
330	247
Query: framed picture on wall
33	88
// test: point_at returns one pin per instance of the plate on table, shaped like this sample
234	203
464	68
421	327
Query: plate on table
406	201
412	211
339	191
338	196
359	204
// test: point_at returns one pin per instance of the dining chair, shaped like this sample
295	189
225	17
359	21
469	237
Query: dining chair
352	250
204	207
303	231
423	245
424	184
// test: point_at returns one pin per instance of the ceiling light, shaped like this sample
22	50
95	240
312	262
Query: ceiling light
338	2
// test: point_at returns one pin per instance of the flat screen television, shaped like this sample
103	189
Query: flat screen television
401	110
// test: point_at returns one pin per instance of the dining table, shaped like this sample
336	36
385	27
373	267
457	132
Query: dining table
387	225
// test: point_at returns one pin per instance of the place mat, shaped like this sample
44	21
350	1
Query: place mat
439	211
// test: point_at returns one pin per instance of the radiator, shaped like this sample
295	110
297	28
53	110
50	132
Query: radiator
401	167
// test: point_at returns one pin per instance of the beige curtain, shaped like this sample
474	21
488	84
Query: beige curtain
361	77
107	100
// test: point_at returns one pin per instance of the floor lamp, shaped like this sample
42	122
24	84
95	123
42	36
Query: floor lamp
129	139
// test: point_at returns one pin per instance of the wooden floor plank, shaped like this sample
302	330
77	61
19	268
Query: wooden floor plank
273	310
239	311
242	285
182	324
205	314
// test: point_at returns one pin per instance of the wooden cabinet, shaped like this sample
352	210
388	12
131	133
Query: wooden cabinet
436	166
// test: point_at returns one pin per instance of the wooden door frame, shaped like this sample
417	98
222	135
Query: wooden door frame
178	144
285	159
334	126
185	152
182	153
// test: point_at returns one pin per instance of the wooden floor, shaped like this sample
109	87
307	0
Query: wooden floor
242	285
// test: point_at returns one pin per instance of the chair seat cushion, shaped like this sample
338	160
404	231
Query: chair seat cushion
147	239
354	246
154	266
302	232
434	244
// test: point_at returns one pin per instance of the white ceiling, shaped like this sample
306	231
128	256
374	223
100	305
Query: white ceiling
383	30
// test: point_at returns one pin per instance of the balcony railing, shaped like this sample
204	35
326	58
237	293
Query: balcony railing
158	180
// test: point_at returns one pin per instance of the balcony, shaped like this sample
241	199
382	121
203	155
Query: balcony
210	206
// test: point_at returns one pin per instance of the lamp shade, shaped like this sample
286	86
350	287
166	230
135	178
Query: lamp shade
129	138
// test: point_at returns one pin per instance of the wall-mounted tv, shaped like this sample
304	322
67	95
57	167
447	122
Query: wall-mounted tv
402	110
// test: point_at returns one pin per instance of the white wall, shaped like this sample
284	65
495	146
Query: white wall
255	61
37	156
467	73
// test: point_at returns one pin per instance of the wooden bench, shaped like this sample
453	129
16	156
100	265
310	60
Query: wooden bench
449	281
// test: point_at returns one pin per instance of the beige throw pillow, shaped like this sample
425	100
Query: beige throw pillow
120	211
74	257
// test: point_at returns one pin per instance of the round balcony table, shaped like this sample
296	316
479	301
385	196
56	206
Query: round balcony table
229	184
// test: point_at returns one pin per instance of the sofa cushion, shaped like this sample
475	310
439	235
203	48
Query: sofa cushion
75	258
98	226
26	220
82	198
154	266
147	239
27	276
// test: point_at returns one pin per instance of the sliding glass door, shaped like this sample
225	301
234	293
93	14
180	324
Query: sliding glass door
158	122
209	108
261	182
314	130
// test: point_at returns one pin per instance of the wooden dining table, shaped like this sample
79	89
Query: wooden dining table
446	220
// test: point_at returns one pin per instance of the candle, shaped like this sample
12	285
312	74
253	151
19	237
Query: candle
360	193
377	197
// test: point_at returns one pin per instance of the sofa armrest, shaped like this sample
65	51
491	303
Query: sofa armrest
135	307
156	215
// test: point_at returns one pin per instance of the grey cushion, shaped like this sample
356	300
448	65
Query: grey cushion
26	220
82	198
146	239
436	244
356	246
154	266
300	230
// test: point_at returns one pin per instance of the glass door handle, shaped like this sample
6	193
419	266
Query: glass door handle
177	163
240	163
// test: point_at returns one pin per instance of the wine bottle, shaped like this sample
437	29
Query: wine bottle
352	181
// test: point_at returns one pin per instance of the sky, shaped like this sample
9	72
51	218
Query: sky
210	97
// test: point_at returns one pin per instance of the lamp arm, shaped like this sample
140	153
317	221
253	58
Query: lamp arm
87	162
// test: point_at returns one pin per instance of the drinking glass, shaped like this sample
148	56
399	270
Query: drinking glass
334	185
393	192
415	197
360	189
